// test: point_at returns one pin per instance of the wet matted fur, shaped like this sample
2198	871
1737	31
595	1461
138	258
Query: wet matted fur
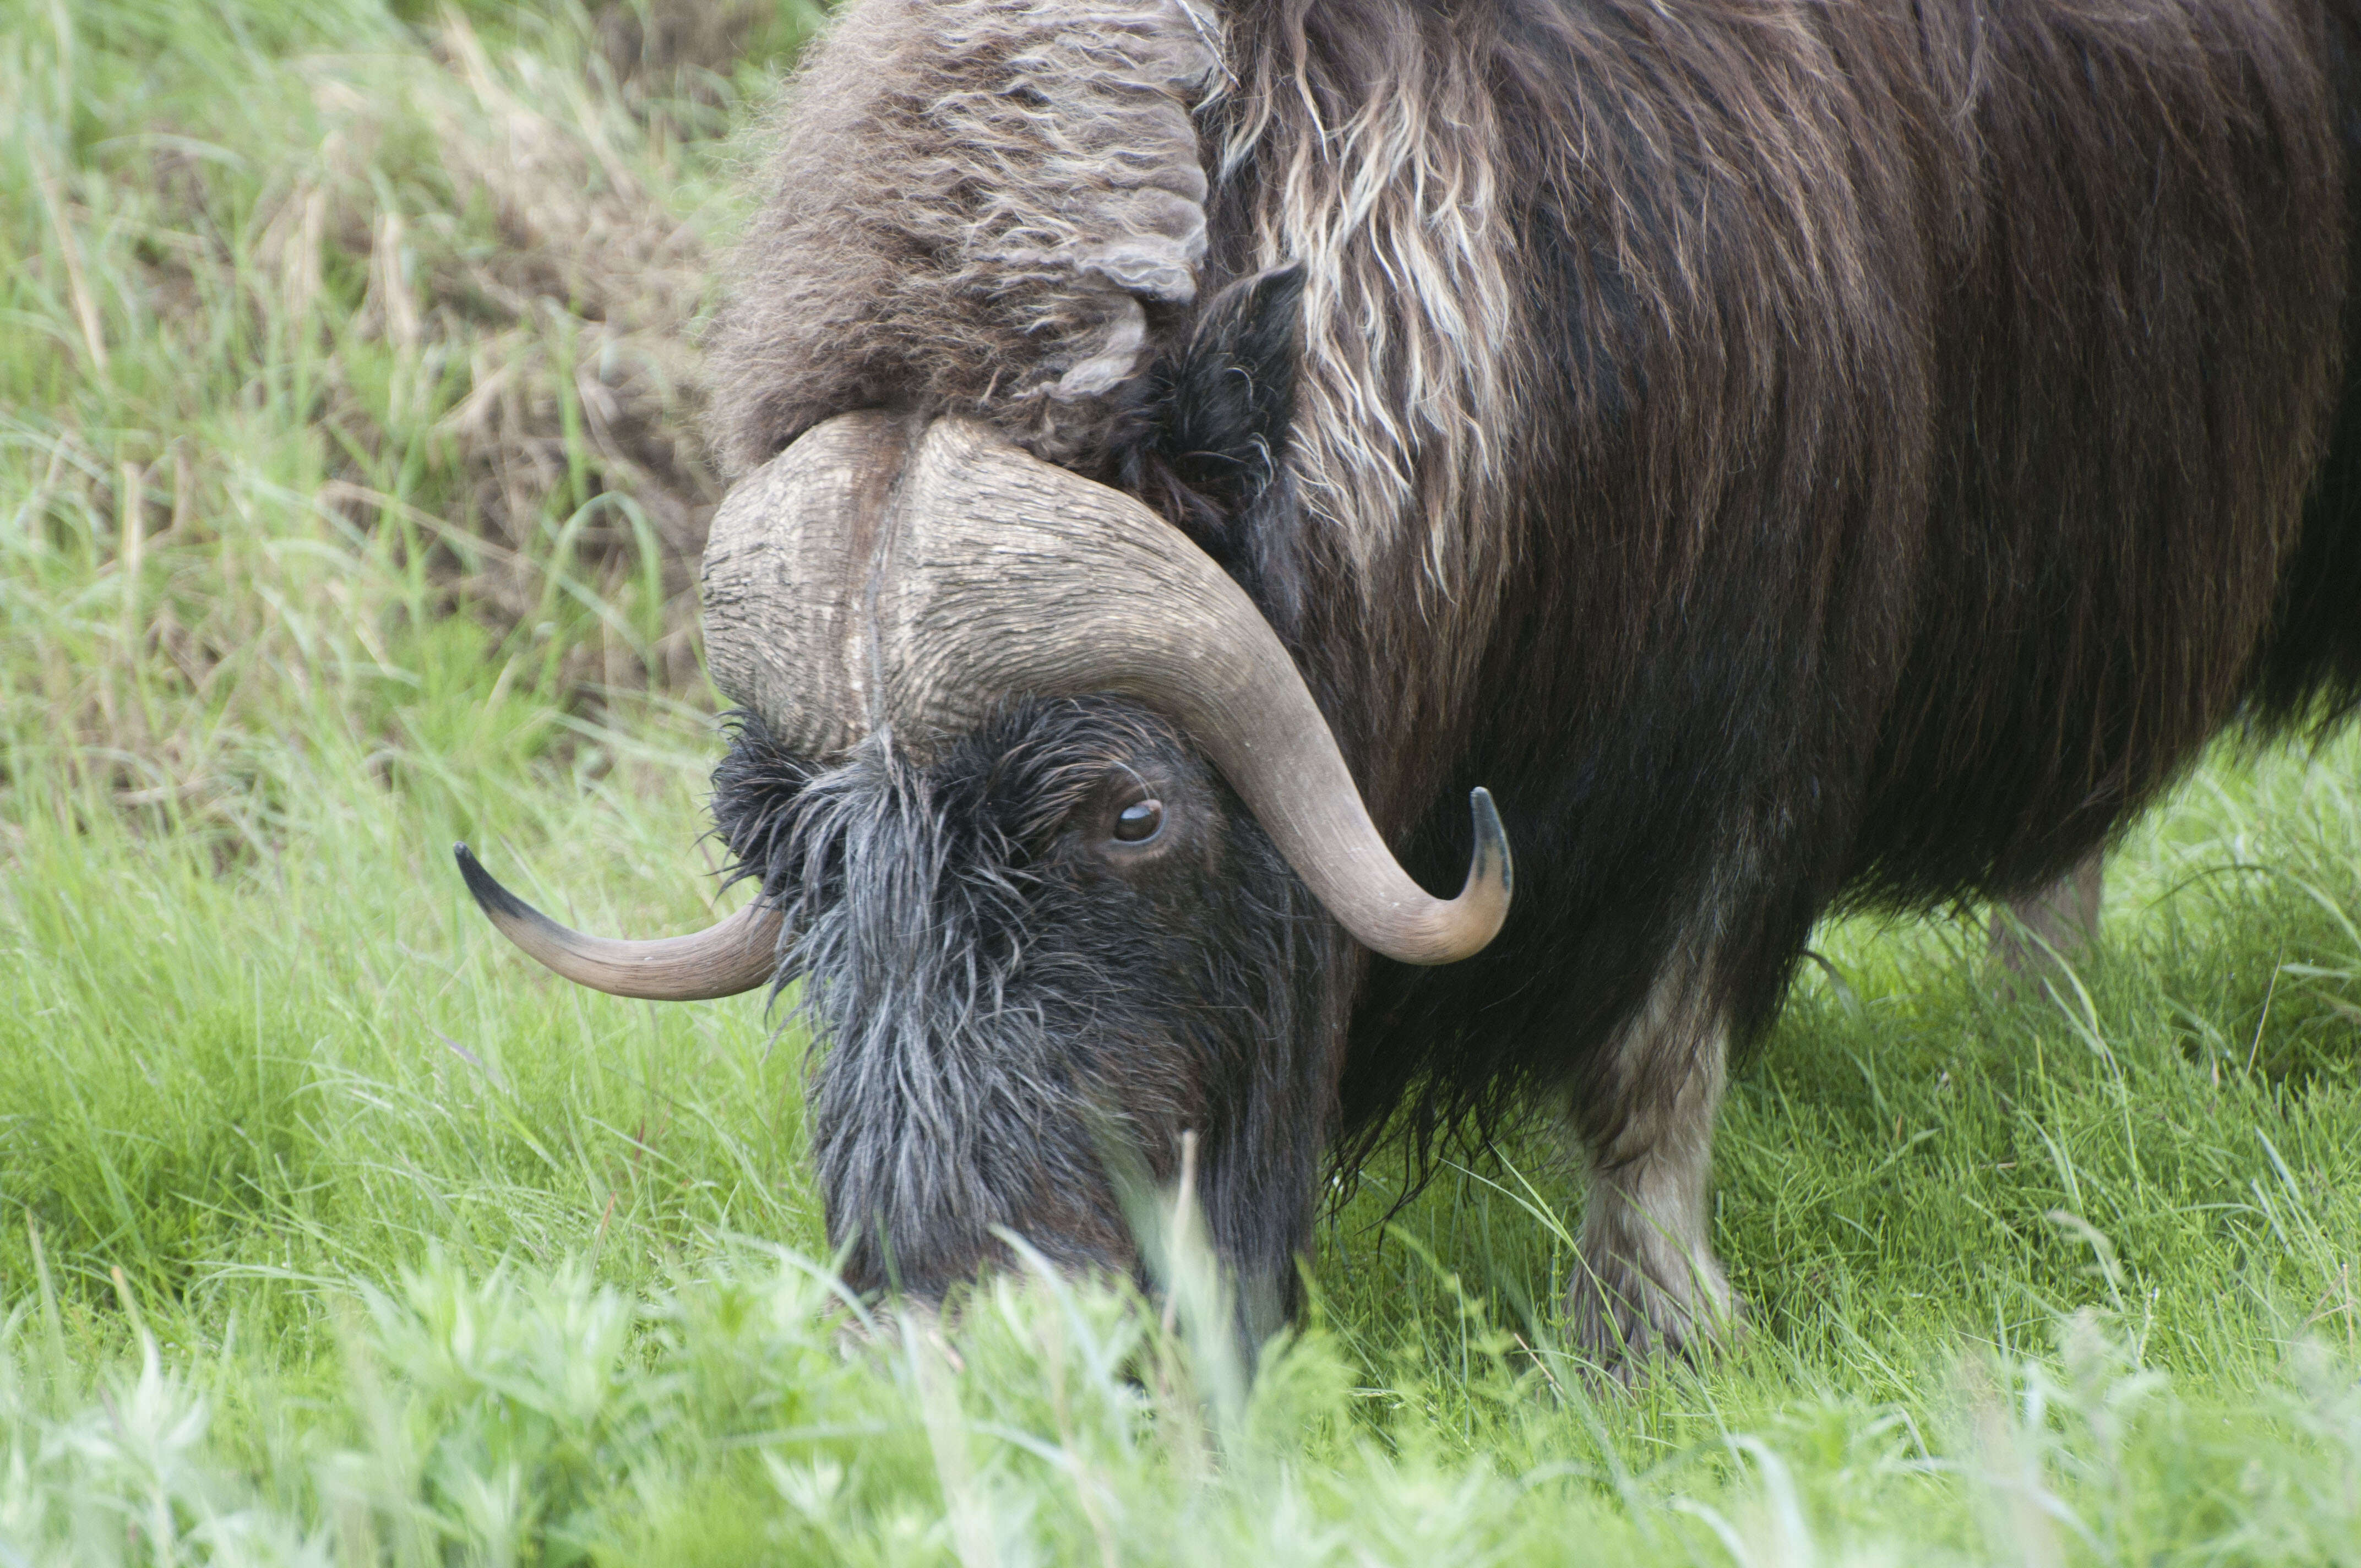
1002	1020
1791	453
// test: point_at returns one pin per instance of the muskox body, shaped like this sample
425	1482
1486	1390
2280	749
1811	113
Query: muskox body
1795	456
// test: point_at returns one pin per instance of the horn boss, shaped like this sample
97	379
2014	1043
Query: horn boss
894	573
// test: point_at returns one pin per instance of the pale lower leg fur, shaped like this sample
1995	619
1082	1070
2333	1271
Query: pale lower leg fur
2030	934
1646	1282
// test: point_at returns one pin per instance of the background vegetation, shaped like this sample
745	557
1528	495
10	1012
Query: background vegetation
349	495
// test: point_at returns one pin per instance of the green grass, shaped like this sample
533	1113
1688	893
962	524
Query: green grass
348	498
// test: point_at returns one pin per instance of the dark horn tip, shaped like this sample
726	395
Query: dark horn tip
1491	861
490	896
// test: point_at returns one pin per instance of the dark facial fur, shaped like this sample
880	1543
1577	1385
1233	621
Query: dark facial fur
1012	999
1207	441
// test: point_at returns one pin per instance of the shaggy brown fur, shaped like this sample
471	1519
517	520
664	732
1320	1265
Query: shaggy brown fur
977	205
1791	452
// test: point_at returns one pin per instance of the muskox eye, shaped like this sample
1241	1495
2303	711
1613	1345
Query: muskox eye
1139	821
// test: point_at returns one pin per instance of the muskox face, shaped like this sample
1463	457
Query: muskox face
1046	823
1029	965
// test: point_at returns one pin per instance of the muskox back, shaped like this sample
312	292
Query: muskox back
2134	375
2310	668
1935	395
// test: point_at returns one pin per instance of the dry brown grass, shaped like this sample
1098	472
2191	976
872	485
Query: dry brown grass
401	328
398	336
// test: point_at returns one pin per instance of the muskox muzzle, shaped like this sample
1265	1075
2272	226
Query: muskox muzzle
898	572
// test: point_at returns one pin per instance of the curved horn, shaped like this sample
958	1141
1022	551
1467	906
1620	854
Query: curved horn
736	955
890	569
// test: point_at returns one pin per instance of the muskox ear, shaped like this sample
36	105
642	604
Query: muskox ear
1217	411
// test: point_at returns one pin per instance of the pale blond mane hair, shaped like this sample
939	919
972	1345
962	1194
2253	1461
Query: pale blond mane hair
1390	200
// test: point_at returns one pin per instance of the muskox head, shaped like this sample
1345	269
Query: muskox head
1044	820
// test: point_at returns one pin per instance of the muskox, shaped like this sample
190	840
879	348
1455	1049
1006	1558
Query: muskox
1795	455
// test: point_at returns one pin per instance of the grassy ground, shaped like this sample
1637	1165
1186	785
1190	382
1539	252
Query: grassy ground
347	504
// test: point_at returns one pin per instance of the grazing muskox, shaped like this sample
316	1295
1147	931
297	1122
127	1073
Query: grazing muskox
1796	455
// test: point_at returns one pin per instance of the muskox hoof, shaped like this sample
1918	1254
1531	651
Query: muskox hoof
1623	1317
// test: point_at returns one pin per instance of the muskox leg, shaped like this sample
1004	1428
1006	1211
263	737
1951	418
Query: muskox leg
2029	936
1646	1281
